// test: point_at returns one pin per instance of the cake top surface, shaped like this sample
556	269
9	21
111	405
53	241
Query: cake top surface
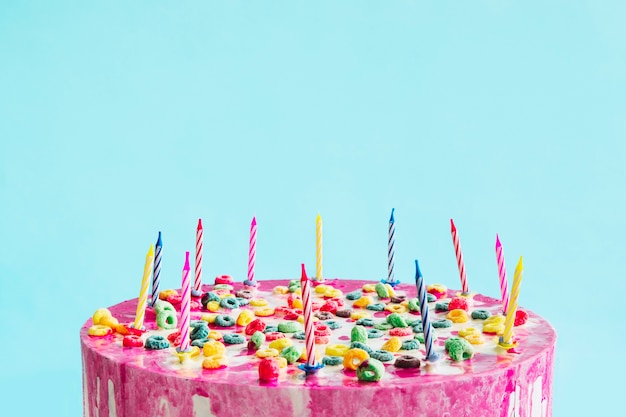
386	321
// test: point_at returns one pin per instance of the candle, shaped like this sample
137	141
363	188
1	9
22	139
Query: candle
506	337
143	292
309	337
197	288
391	250
459	258
252	253
318	249
156	273
184	307
502	275
426	325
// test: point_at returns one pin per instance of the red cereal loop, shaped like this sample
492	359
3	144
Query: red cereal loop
224	279
173	336
291	298
195	305
269	336
458	303
321	340
339	301
321	330
330	305
132	330
281	310
399	331
174	299
520	317
132	341
268	369
315	306
256	325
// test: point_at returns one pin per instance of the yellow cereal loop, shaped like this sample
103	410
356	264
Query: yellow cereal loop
298	291
245	317
280	344
282	362
99	314
215	362
258	302
467	331
474	338
337	349
392	345
226	295
405	303
300	319
437	288
494	324
297	303
360	315
390	290
457	316
212	348
110	322
396	308
354	357
369	287
213	306
166	293
322	288
209	318
333	293
264	312
266	353
362	302
280	289
98	330
215	335
191	353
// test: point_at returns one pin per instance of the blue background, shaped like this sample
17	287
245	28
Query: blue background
120	119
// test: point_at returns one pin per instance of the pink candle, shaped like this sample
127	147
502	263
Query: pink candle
308	319
459	258
502	274
184	307
252	253
197	288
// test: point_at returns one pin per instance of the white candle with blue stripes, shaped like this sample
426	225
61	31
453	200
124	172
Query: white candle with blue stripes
391	250
156	272
426	325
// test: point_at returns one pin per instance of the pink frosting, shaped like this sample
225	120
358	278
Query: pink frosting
135	382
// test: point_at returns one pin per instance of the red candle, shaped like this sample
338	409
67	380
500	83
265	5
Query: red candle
459	258
308	319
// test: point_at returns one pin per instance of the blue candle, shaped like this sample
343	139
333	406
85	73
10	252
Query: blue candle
156	272
423	300
391	250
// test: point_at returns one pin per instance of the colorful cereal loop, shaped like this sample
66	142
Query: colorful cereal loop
354	357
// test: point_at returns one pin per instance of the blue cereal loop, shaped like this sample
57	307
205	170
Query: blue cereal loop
410	344
382	355
480	314
234	339
200	342
442	306
196	323
359	345
299	335
270	328
354	295
199	332
418	328
332	324
374	333
365	322
430	298
156	343
242	301
223	320
442	323
230	303
376	307
332	360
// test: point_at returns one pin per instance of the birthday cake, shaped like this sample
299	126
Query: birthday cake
248	355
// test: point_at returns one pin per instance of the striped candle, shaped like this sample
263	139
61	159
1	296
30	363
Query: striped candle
143	292
184	307
318	249
156	272
252	251
506	337
459	258
197	288
309	336
391	250
426	325
504	290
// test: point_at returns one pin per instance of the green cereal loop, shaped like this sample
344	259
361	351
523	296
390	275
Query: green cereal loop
242	301
162	306
166	319
332	324
227	287
443	306
332	360
224	320
234	339
365	322
459	349
442	323
354	295
374	333
382	355
200	342
370	370
230	303
376	307
291	353
419	337
383	326
414	304
299	335
358	334
418	328
430	298
199	332
381	290
270	328
359	345
411	344
396	320
257	339
480	314
294	283
289	327
156	343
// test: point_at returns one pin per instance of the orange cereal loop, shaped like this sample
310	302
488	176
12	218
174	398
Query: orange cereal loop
457	316
362	302
297	303
215	362
354	357
264	312
392	345
166	293
99	314
396	308
258	302
369	287
267	353
212	348
121	329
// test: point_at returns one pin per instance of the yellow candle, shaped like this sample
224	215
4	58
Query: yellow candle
510	316
318	253
143	293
